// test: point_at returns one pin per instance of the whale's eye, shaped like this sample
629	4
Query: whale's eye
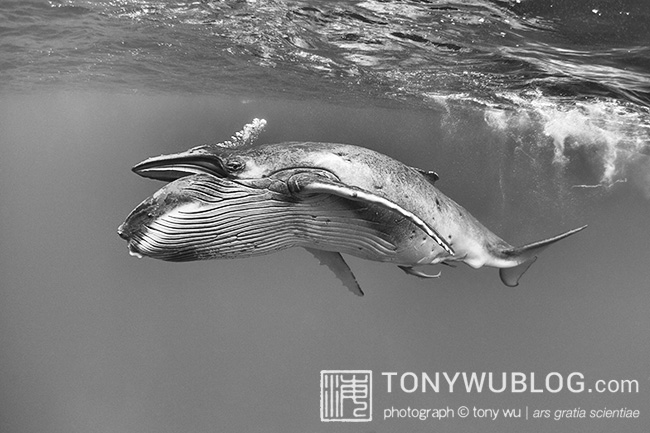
235	165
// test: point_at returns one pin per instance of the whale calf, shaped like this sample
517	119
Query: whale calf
237	199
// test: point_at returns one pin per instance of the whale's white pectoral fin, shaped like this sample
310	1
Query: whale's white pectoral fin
409	270
314	183
511	276
335	262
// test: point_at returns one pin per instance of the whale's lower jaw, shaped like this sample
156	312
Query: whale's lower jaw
204	217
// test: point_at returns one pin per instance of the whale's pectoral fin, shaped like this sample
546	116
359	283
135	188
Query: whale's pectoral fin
335	262
315	183
511	276
409	270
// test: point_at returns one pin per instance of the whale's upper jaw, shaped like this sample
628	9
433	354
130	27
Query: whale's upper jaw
199	160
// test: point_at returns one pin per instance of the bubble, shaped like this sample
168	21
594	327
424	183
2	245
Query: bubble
607	137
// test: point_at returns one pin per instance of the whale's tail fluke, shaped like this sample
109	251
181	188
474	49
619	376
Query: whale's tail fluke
525	256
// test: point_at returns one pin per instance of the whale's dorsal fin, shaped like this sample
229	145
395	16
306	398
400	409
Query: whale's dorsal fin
335	262
313	182
431	176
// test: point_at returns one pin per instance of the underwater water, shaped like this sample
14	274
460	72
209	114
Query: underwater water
535	115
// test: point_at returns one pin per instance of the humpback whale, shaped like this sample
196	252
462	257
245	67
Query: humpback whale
236	199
